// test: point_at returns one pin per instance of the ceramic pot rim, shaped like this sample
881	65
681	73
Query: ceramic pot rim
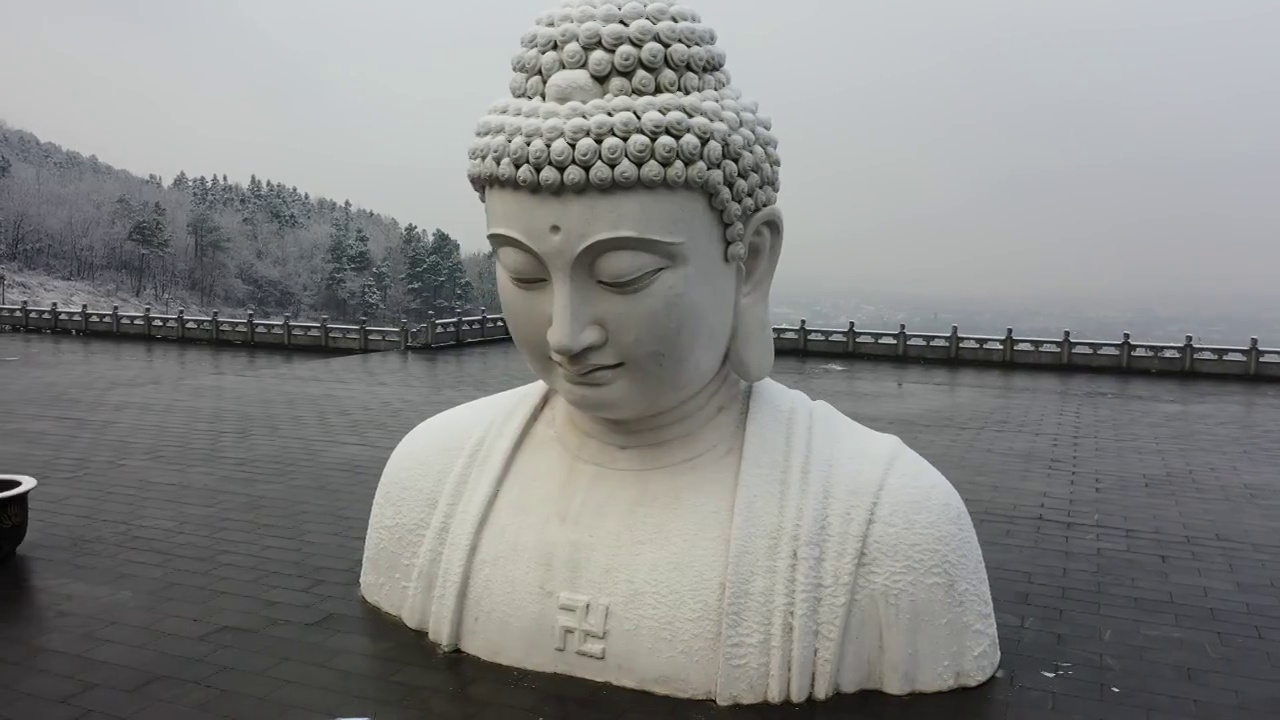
25	484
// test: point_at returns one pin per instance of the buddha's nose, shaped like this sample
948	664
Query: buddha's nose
573	330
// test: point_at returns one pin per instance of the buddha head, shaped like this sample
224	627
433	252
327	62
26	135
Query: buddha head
631	199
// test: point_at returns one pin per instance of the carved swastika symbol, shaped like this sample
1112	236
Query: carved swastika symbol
584	620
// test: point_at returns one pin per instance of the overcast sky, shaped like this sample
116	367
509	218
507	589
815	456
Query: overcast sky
1118	148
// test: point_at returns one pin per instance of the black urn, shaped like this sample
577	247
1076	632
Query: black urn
13	512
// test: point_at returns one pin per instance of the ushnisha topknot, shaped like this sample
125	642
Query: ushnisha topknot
614	94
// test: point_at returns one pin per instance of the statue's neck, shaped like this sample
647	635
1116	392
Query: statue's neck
687	431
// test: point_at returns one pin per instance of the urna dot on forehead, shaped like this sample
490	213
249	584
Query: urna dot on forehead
610	95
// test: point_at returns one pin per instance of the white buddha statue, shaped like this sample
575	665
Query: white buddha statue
653	512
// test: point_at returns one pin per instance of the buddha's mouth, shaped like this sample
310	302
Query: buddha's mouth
591	374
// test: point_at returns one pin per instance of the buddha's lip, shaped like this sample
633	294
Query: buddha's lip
584	370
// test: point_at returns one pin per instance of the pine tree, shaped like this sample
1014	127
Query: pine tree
451	290
200	192
6	167
359	257
370	300
338	271
255	190
150	235
180	182
209	240
417	278
482	272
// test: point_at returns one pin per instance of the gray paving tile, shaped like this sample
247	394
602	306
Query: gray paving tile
199	523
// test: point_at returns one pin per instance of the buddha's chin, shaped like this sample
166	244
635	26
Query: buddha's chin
606	400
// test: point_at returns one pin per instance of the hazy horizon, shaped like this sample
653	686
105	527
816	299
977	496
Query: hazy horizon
1095	151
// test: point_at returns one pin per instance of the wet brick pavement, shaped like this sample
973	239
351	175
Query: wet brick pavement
197	535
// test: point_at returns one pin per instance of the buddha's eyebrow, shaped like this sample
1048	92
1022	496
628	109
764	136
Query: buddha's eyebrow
503	237
614	237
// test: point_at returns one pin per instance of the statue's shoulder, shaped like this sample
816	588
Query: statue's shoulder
417	479
910	493
851	444
857	448
428	455
460	424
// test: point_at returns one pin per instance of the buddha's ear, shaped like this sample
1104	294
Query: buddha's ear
751	347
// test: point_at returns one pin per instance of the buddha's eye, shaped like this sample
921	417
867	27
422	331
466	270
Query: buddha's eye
522	269
627	270
526	282
632	284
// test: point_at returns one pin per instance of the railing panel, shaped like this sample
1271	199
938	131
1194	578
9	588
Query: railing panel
826	346
1269	364
984	355
1155	363
787	344
927	350
1222	367
876	349
1096	360
305	336
345	342
1037	354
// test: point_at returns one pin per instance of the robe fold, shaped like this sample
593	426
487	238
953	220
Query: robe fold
852	562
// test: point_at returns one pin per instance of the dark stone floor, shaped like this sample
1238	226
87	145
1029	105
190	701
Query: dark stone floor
198	528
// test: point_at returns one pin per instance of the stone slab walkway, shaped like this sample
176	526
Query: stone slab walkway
198	529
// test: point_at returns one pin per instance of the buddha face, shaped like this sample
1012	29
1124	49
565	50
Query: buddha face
622	302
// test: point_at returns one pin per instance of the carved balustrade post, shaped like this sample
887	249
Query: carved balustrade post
214	335
115	319
182	323
26	316
902	340
1188	355
54	312
84	318
1254	355
249	326
953	344
404	333
364	334
457	327
324	331
804	336
1065	350
1126	350
286	330
146	321
484	321
1008	345
850	338
431	329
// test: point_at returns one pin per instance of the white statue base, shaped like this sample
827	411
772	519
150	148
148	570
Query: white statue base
834	560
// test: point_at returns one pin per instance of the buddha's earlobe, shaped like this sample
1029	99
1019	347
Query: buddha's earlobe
751	347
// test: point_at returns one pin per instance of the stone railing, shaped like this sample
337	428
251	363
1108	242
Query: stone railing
1064	352
251	331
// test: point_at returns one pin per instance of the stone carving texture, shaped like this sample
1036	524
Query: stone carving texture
610	95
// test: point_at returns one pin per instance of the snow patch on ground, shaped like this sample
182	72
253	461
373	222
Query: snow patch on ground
39	290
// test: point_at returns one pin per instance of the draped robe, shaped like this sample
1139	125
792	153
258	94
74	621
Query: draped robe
852	563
